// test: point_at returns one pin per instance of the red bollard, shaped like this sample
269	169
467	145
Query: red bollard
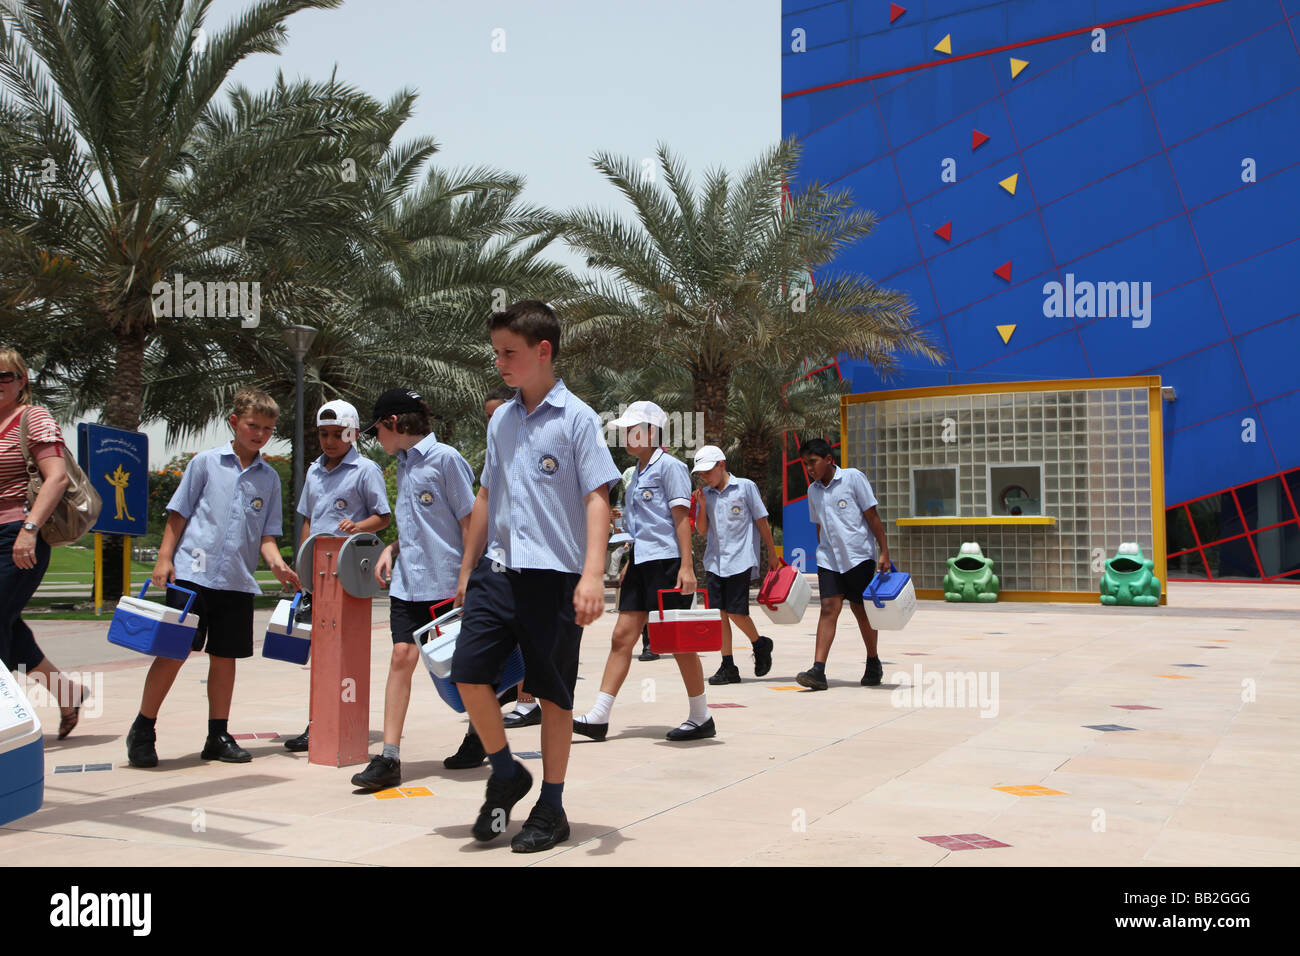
340	665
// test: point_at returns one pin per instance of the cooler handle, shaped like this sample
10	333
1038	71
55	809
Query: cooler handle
783	564
293	610
664	591
871	588
438	621
188	604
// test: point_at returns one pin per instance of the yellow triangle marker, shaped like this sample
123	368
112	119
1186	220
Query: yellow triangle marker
944	45
1005	331
1017	66
1009	184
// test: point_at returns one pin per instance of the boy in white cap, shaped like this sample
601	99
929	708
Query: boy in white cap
343	493
732	520
657	515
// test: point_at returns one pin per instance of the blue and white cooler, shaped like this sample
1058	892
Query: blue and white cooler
437	643
153	628
890	599
22	752
287	638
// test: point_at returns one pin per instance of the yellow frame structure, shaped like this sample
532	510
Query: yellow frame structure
1156	434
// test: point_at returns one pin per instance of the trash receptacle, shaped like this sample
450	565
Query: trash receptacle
1128	580
970	576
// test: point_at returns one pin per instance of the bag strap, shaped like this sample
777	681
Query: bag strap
13	420
33	470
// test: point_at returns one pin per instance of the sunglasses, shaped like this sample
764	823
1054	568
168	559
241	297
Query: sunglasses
7	377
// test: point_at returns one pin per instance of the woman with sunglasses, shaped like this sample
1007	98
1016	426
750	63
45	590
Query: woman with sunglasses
24	554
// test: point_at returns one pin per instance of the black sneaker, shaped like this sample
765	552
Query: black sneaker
647	655
727	674
223	747
300	743
762	656
381	774
875	671
545	827
140	751
502	795
471	753
594	731
811	679
706	729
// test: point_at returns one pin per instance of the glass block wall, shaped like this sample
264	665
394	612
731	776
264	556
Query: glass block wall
1094	446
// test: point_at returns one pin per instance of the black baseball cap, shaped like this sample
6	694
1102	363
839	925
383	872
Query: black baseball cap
395	401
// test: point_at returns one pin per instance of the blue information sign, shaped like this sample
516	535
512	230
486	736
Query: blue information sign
117	463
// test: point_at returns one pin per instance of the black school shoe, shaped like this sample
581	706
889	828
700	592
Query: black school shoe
502	795
380	774
470	755
531	719
545	827
647	655
727	674
300	743
875	671
594	731
140	751
811	680
223	747
706	729
762	656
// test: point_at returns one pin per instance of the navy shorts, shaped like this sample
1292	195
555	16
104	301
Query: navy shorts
531	609
731	593
225	627
643	582
850	583
407	617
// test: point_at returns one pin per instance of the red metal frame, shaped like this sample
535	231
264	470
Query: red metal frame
1248	533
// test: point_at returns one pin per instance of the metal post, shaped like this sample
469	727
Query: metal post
297	460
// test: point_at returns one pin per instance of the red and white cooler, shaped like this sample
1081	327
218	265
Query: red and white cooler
689	631
784	594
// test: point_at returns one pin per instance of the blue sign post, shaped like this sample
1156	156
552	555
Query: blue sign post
117	464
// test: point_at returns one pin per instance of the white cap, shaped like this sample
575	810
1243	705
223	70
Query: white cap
339	413
707	457
642	413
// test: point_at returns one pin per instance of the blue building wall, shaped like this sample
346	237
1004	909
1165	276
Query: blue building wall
1131	167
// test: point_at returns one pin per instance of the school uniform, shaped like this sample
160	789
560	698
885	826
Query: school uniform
539	468
228	510
435	490
731	548
353	491
846	550
663	484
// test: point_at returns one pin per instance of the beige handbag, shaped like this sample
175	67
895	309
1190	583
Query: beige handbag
76	511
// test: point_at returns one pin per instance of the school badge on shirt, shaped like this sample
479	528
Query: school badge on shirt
340	504
426	497
735	510
548	464
647	494
257	504
843	503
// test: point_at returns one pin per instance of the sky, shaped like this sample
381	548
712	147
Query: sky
575	77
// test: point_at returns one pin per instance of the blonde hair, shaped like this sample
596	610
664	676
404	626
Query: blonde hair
10	359
254	401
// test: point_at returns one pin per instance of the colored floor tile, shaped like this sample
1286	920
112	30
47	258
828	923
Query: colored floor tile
416	791
787	687
1189	665
1108	727
726	705
1031	790
389	795
529	754
69	768
1135	707
98	766
964	841
1176	676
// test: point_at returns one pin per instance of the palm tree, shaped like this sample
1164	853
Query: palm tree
707	279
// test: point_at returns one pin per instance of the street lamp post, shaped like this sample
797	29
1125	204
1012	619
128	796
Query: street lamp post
299	339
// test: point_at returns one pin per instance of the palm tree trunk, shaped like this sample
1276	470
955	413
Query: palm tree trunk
123	411
710	394
756	450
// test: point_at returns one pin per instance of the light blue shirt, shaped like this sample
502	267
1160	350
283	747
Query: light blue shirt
732	544
228	509
651	496
353	491
435	489
846	541
539	469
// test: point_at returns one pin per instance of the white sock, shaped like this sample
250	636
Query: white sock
699	712
524	709
600	713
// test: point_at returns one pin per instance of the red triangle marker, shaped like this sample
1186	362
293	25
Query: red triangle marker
944	232
1004	270
977	139
895	11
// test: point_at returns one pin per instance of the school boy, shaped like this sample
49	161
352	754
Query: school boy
843	507
732	519
343	493
223	515
435	494
544	504
657	514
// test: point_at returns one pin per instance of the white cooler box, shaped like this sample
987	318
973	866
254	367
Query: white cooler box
890	600
784	595
22	752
